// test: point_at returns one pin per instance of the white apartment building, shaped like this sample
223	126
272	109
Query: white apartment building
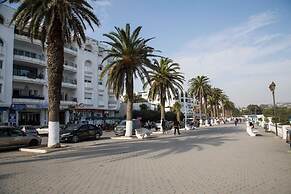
23	79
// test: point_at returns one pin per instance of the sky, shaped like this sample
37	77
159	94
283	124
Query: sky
242	46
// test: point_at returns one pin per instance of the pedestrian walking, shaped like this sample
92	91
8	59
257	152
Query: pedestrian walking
176	127
235	122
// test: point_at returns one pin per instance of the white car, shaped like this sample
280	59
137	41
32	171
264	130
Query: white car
43	130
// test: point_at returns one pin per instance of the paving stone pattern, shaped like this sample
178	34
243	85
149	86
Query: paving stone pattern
221	159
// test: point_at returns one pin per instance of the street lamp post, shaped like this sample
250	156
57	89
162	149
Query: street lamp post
272	87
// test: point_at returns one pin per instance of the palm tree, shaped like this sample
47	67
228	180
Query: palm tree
164	81
55	23
129	55
177	109
207	92
216	93
223	99
199	86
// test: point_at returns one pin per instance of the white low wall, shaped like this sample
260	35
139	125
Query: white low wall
282	129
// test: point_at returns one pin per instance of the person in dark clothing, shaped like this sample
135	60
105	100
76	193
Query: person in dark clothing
176	127
235	122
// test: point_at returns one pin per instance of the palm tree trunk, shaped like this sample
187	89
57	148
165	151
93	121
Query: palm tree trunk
129	92
205	109
55	61
200	106
178	116
162	110
217	110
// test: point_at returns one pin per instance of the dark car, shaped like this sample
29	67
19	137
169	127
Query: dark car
119	130
79	132
11	137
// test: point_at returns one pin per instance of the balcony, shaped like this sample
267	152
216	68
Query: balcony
70	50
70	66
27	99
24	38
69	83
29	57
88	85
68	101
88	101
18	76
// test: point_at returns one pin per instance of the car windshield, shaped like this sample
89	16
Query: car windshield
71	127
122	123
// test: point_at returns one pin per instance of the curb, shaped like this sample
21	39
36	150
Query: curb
43	150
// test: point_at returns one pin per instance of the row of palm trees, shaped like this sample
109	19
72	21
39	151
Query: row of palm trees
60	22
131	58
213	101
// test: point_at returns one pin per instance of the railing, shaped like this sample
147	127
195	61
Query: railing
71	64
69	99
28	97
71	48
70	81
22	33
18	72
29	54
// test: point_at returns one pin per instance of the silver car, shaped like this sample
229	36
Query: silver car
11	137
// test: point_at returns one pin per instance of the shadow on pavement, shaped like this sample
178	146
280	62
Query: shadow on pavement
151	149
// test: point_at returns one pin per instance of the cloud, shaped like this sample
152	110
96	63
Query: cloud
242	59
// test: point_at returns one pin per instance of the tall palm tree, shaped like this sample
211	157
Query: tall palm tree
223	100
198	88
211	101
207	92
177	109
216	93
130	55
56	23
164	81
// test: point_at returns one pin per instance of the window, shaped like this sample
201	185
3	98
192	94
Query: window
100	67
88	96
15	132
88	79
88	48
1	42
1	19
0	88
1	64
100	83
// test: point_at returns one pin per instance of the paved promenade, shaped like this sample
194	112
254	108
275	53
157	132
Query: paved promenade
220	159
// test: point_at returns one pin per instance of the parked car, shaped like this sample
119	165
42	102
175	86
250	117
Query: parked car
11	137
119	130
29	130
43	130
78	132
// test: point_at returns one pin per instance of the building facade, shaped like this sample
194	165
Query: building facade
24	85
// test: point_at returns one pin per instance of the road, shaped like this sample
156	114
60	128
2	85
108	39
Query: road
221	159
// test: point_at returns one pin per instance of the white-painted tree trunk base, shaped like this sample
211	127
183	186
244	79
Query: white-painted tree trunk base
53	133
128	129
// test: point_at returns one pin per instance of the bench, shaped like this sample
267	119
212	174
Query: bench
142	133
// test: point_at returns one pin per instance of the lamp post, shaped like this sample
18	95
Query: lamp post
272	87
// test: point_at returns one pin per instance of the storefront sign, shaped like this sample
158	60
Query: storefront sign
18	106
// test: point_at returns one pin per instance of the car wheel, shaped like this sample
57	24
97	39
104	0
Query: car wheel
97	136
33	143
75	139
